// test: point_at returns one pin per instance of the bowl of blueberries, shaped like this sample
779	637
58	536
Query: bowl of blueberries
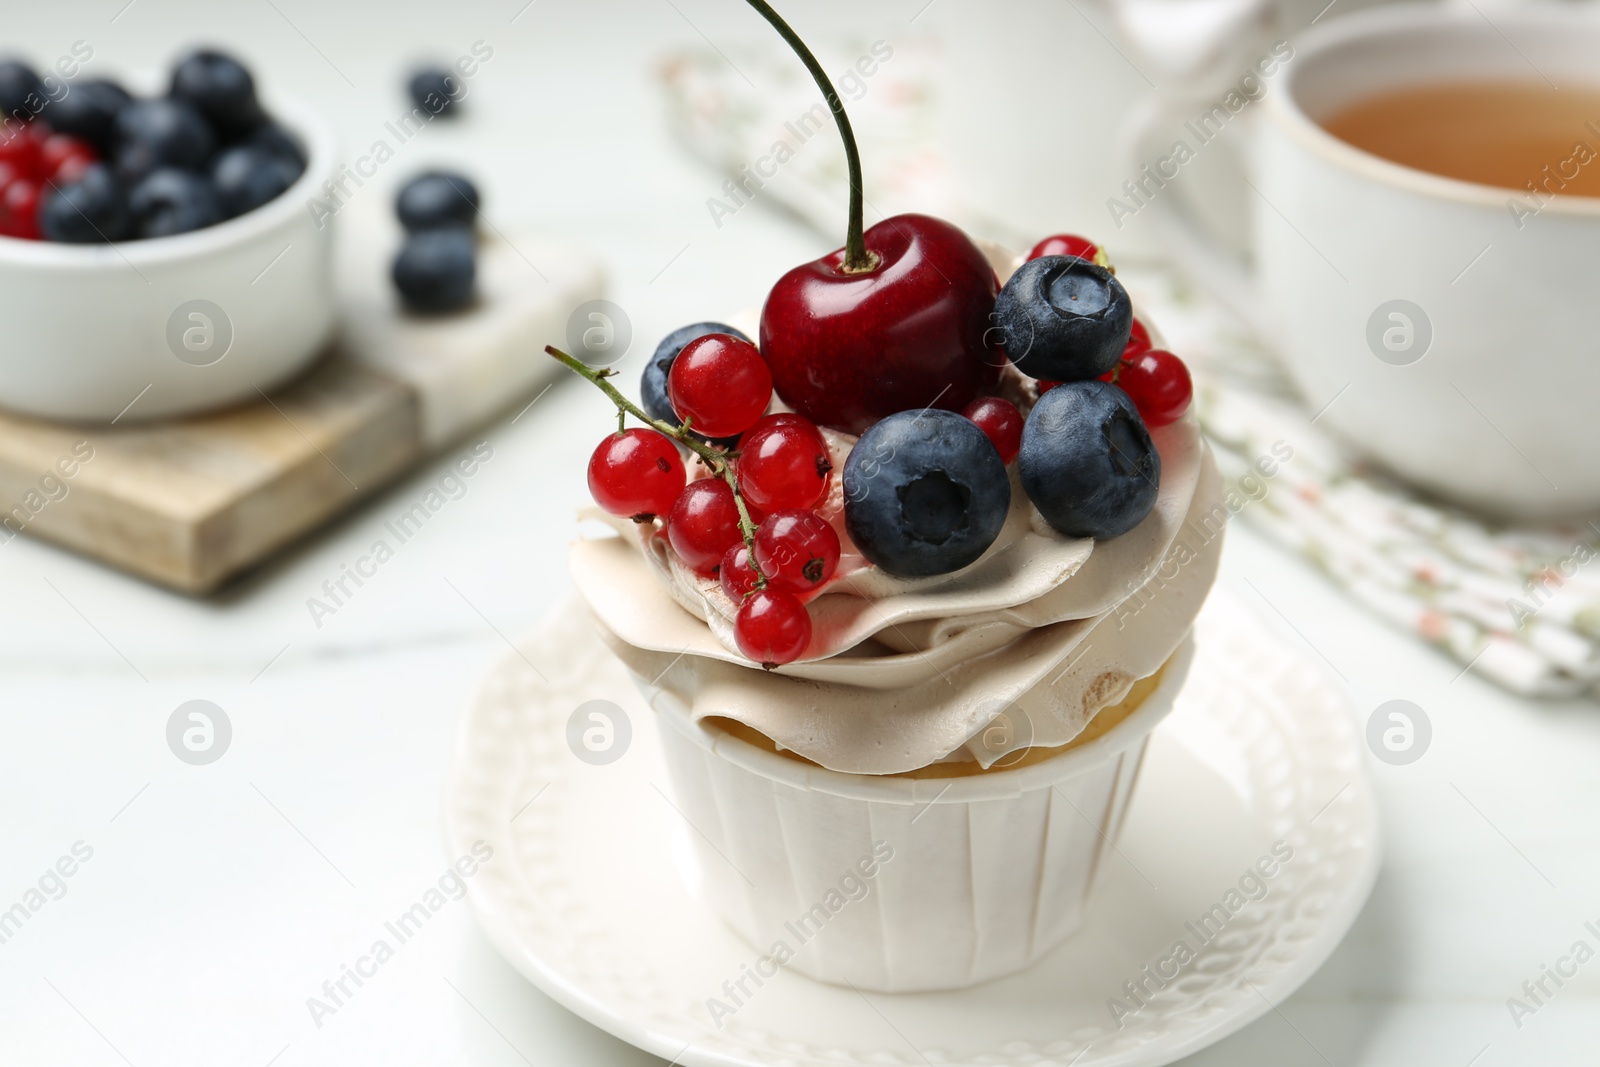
158	256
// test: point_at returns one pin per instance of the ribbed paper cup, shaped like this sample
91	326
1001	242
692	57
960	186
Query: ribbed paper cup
900	884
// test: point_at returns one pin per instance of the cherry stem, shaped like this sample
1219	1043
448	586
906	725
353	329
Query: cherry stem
711	457
856	257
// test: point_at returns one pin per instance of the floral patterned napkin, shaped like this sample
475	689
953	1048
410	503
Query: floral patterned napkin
1517	605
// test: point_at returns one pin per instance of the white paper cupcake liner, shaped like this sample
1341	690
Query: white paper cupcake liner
898	884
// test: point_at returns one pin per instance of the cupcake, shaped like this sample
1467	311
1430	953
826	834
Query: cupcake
907	570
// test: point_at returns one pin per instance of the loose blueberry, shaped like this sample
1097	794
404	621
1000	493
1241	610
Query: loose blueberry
1087	460
277	141
88	111
437	198
171	201
87	211
925	493
435	90
221	88
435	269
1063	318
247	176
18	82
653	384
148	134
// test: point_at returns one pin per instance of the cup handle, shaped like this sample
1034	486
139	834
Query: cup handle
1227	278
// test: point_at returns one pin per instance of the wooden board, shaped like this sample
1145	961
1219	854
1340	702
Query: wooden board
191	503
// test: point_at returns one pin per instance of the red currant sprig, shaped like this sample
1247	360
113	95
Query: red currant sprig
713	458
773	626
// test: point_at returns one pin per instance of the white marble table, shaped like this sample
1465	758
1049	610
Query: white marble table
219	898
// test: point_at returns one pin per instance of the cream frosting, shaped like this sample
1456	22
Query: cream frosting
1054	628
1039	634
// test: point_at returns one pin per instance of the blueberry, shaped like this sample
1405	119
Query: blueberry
925	493
435	90
1087	461
437	198
88	110
435	269
221	88
148	134
653	384
18	82
87	211
1063	319
170	201
277	141
247	176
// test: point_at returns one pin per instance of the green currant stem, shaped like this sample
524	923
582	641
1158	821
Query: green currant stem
711	457
856	256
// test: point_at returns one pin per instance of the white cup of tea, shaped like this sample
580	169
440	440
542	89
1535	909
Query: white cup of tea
1448	328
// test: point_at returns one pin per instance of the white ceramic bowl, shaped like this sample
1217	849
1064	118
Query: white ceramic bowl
90	328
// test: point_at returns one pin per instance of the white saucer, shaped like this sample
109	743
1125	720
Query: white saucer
583	894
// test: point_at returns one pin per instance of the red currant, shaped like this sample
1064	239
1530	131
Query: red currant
20	148
1138	341
637	473
737	576
1158	384
19	210
773	628
63	158
798	550
720	384
784	463
1068	244
1046	386
1000	420
704	524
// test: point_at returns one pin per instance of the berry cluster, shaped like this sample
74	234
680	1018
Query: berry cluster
900	337
1155	380
925	491
752	522
437	265
96	164
1087	461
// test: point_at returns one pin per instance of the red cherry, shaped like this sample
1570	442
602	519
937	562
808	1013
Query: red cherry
1000	420
720	383
737	576
1138	340
19	209
1158	384
798	551
63	158
847	349
784	463
703	524
772	628
637	473
1068	244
